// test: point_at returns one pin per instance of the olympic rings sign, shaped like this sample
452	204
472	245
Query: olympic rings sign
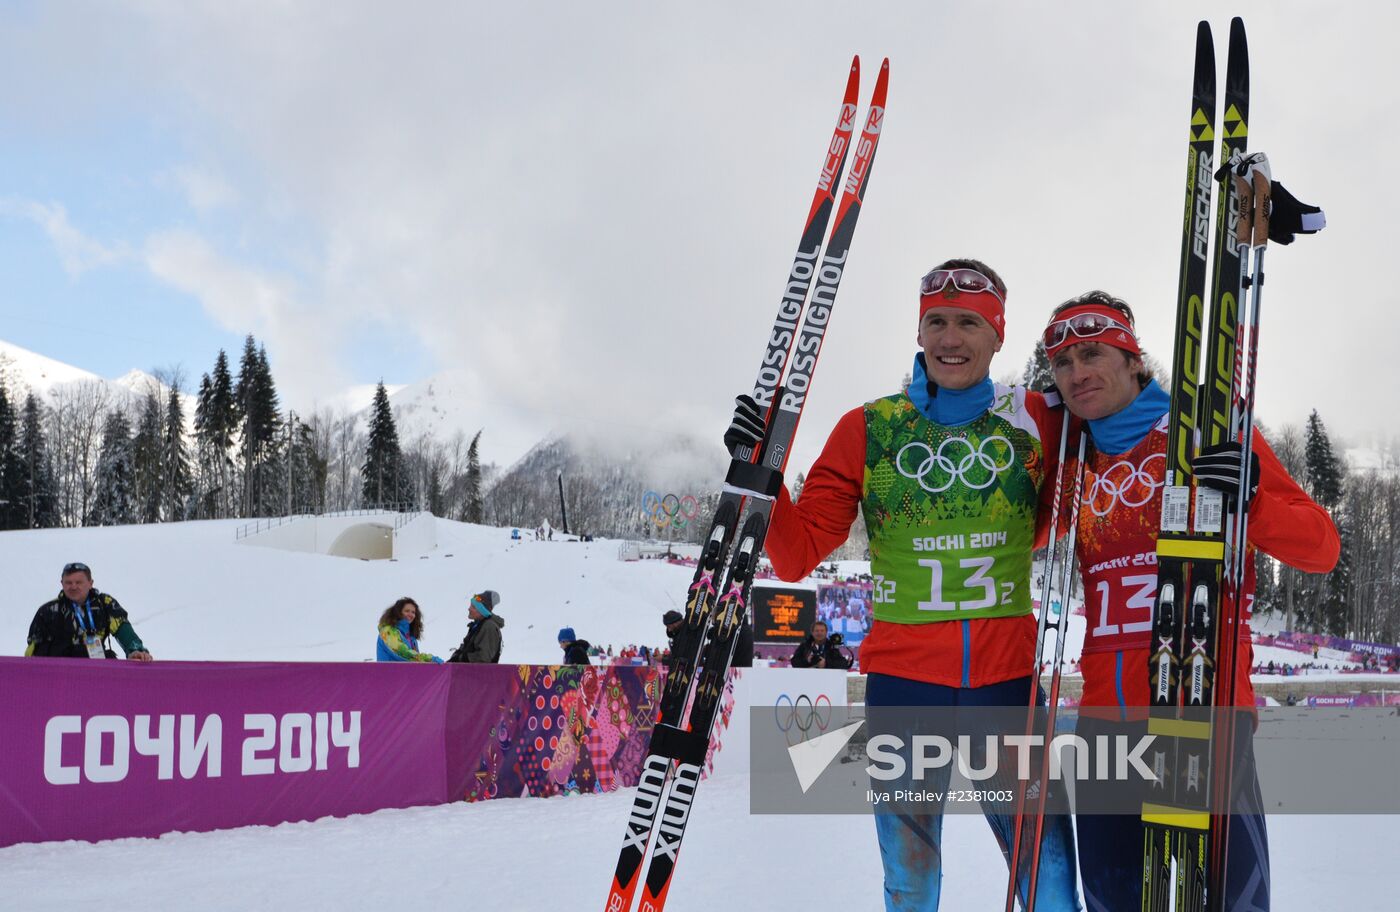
936	471
670	510
1133	489
802	718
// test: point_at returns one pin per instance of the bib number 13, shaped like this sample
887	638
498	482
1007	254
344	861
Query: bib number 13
979	578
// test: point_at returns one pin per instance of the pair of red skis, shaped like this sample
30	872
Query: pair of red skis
717	601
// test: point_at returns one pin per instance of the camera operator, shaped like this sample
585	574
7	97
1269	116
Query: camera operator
820	650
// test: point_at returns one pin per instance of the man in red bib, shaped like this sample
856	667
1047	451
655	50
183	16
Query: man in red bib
1098	369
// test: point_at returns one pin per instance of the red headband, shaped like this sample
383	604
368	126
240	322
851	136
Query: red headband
1113	336
983	303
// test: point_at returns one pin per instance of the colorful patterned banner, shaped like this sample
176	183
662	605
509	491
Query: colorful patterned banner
570	728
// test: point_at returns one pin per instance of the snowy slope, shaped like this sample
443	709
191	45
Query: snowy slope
194	593
25	371
441	405
1371	459
35	372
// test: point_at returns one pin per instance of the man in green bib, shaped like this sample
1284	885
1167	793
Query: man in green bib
949	474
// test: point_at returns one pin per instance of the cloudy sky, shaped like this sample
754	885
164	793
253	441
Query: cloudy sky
590	208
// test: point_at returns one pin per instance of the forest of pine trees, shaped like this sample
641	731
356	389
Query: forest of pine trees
240	455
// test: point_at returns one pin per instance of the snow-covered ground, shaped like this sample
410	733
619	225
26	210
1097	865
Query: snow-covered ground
558	853
194	593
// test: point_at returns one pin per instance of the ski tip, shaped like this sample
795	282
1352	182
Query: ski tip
855	64
881	84
1238	43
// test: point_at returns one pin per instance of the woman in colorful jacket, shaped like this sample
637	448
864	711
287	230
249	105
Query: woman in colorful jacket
400	628
1098	369
949	474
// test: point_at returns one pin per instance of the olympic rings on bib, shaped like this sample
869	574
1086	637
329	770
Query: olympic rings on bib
938	463
1135	489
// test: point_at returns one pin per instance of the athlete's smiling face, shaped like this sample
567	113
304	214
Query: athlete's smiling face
958	346
1096	380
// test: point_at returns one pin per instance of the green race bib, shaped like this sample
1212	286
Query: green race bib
951	511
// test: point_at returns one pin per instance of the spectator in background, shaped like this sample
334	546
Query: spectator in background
743	648
673	621
400	629
482	644
820	651
575	650
80	620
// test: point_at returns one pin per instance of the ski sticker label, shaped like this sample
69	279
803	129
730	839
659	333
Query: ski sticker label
1210	507
1176	505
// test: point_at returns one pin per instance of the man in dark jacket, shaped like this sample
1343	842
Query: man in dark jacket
79	622
482	643
819	650
575	650
743	648
673	620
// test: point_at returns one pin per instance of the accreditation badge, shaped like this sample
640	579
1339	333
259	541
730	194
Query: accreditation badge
94	646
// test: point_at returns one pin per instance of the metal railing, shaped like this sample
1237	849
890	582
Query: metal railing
404	519
263	525
405	513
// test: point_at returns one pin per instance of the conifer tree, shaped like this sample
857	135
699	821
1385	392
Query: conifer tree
215	423
436	500
380	476
11	494
145	458
114	495
1324	471
1327	482
256	396
1037	375
473	506
175	460
38	486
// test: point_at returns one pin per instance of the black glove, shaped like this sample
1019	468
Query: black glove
747	427
1289	217
1218	467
